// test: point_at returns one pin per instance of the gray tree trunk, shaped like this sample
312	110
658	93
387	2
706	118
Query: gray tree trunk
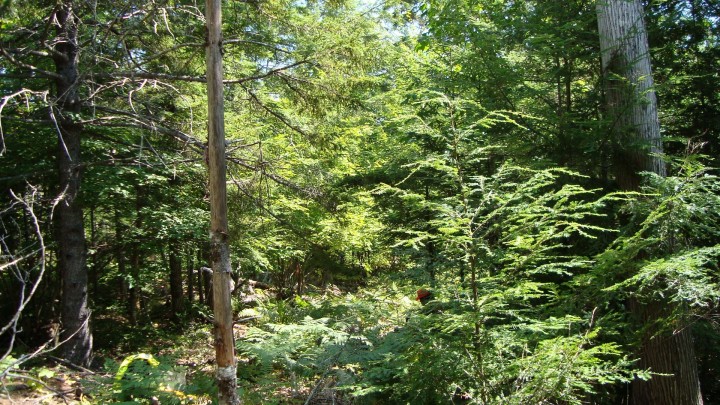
632	107
630	98
219	247
72	250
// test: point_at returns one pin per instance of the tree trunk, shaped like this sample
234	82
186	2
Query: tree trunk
190	276
120	254
665	353
133	302
629	94
632	106
201	285
226	372
71	247
176	290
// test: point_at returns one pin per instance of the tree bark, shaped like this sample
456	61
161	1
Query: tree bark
190	275
72	254
176	290
120	253
226	372
629	94
133	302
632	105
671	354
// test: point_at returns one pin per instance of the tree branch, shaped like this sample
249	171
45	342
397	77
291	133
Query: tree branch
276	114
143	122
202	79
32	68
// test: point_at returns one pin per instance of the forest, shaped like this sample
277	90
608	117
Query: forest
360	202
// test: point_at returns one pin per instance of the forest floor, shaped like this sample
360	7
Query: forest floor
62	388
160	361
48	382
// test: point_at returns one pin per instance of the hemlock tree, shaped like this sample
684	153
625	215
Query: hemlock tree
632	109
71	231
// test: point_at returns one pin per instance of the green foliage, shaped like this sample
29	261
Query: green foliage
449	144
668	250
141	378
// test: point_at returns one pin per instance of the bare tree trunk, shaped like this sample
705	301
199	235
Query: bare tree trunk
632	106
71	246
226	372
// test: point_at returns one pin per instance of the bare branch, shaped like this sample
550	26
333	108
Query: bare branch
32	68
3	103
143	122
309	192
276	114
202	79
26	295
267	74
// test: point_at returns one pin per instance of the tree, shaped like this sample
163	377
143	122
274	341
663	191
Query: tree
629	94
219	246
72	252
632	109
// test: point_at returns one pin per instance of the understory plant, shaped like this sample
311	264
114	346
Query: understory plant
511	333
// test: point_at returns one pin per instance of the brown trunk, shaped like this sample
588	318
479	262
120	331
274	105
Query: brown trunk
133	299
190	277
201	287
176	290
133	302
94	274
632	106
226	372
120	254
668	353
71	246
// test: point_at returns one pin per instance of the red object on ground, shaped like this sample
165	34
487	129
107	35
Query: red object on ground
422	293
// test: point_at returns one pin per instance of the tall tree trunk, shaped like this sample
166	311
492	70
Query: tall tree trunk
219	247
72	250
133	301
629	93
190	277
176	290
200	279
94	271
632	106
120	254
671	354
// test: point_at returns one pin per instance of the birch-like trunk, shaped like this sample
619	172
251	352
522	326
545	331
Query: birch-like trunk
219	249
632	107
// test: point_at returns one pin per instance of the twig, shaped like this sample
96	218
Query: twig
70	364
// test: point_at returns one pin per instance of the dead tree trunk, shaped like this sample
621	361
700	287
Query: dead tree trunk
219	247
